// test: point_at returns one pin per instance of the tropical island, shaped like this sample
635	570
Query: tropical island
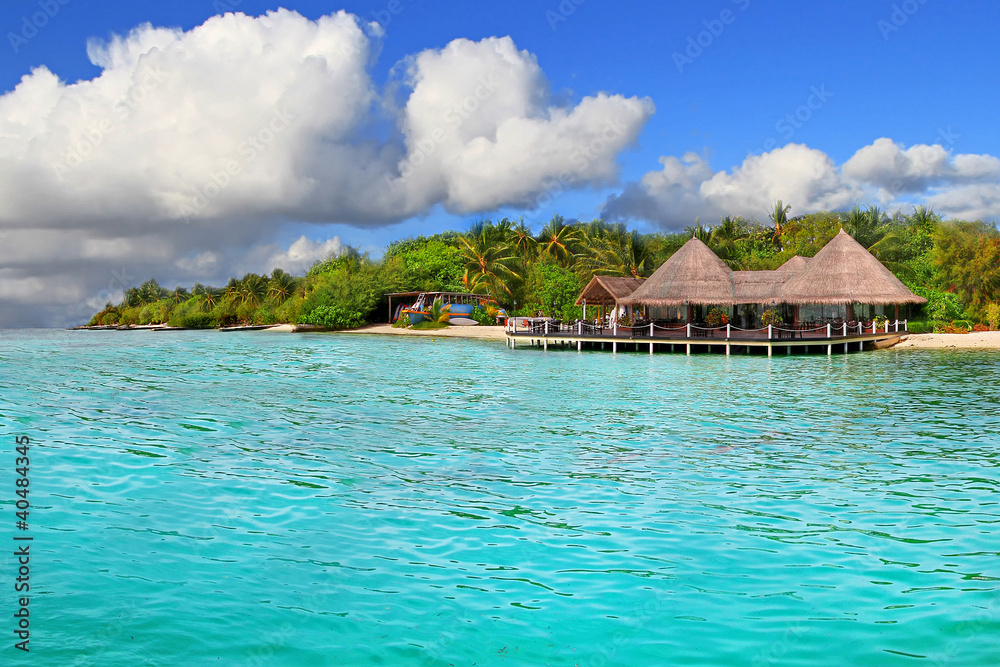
953	264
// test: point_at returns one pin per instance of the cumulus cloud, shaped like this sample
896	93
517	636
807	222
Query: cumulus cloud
896	169
687	188
296	259
964	185
189	144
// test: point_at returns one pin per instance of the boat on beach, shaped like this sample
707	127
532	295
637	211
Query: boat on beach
460	306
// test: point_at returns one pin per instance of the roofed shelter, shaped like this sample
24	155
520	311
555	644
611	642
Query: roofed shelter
608	291
844	273
694	275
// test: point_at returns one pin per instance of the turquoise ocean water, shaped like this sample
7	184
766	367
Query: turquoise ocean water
263	499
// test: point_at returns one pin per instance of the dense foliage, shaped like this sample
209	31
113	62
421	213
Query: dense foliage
954	264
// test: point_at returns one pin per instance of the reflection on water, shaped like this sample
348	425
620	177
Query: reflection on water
321	500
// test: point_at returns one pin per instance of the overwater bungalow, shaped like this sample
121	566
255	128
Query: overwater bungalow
843	295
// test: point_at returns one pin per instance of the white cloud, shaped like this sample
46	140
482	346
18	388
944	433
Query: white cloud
896	169
190	145
689	188
297	259
964	185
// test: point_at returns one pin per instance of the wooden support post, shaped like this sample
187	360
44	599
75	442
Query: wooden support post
727	348
829	350
845	348
579	345
770	332
689	347
614	347
689	331
651	348
769	346
545	345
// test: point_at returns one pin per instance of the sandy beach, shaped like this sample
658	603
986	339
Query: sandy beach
987	340
983	340
480	332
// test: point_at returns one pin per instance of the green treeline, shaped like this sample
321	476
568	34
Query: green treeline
954	264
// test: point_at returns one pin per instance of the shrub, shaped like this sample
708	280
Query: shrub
484	315
919	327
993	316
770	317
334	317
402	323
198	321
980	328
717	317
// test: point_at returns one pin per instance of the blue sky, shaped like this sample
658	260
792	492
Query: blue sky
851	102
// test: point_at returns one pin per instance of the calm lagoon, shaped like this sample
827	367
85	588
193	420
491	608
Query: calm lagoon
268	499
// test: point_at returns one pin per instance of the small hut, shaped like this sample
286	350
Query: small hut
841	275
606	292
694	276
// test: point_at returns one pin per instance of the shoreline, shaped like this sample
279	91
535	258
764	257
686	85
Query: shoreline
979	340
982	340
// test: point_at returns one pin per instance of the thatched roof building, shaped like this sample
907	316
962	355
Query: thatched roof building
608	290
757	286
844	272
693	274
794	264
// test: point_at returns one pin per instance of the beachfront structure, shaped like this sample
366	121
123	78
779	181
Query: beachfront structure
695	300
842	283
606	292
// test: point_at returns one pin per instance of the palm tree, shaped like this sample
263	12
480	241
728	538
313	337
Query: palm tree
489	259
253	289
559	240
779	216
521	240
722	240
281	286
867	227
179	294
627	254
703	234
209	295
439	312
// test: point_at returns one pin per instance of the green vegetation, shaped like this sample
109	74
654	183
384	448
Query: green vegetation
955	265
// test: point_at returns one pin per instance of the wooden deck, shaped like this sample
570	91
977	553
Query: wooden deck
808	339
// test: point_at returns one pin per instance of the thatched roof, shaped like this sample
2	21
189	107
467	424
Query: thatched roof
795	263
758	286
607	290
844	272
694	274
